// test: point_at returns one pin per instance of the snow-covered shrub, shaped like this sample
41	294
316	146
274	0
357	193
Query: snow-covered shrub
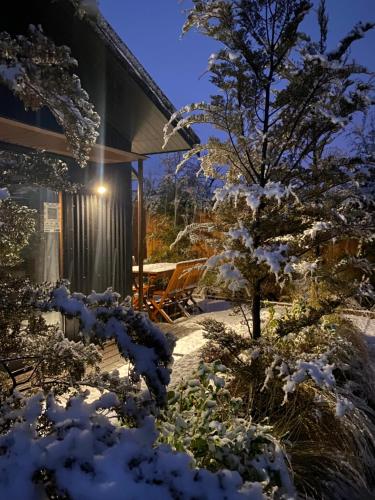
68	442
314	387
75	450
59	364
47	357
203	419
139	341
27	343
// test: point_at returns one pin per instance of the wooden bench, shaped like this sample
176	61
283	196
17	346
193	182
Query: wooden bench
17	375
179	291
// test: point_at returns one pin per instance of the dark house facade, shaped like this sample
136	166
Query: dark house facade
87	237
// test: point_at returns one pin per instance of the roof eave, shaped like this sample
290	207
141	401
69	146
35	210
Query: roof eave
140	75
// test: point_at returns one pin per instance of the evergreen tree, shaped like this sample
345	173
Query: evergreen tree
283	99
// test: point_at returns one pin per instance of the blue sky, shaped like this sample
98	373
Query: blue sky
152	30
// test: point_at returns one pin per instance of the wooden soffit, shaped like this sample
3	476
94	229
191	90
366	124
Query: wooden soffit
22	134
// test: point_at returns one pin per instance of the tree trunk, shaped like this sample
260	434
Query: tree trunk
255	310
175	202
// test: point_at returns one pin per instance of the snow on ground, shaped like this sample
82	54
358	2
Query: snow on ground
189	335
367	326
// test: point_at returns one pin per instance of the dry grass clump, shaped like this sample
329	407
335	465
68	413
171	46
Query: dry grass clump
332	453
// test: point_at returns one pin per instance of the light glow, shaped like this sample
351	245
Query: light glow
101	189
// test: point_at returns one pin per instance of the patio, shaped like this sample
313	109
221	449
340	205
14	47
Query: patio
189	337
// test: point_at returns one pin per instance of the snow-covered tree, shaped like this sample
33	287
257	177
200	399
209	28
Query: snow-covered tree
283	100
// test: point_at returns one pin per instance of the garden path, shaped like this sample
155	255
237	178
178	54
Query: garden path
189	335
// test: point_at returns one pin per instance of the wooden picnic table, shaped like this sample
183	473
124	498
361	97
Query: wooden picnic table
170	285
153	273
157	268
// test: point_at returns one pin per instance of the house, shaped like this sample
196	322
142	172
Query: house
86	237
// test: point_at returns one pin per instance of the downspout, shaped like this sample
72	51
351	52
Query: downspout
140	235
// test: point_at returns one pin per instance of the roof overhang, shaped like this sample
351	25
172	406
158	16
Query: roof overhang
133	109
22	134
161	108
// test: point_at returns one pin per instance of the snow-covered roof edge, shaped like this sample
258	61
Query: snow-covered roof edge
138	72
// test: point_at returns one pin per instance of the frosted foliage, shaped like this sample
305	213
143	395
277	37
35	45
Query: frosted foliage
273	258
203	417
41	74
343	405
320	371
303	268
184	122
193	232
232	277
316	227
34	168
294	372
215	260
253	193
242	234
212	60
13	217
137	338
88	456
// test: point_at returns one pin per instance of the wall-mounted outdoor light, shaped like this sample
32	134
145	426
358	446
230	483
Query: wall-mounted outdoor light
101	189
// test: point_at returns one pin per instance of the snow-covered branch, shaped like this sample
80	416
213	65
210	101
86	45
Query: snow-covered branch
40	74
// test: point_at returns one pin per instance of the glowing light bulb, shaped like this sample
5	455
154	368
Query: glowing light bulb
101	189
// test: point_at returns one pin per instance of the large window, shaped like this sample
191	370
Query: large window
41	257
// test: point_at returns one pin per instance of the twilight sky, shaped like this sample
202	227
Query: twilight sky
152	29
